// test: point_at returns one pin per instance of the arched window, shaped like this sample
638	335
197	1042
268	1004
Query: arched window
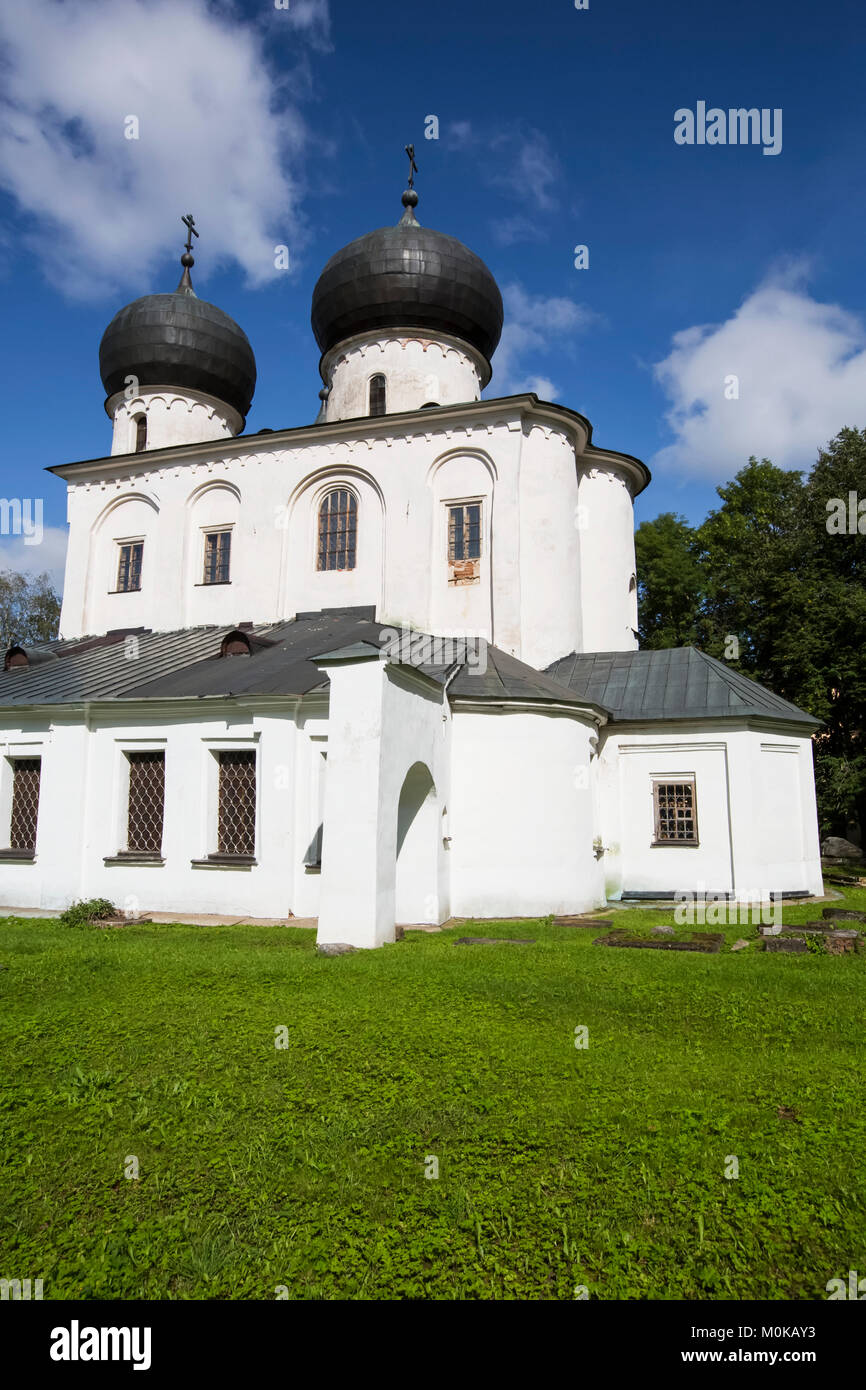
140	433
430	405
377	394
338	529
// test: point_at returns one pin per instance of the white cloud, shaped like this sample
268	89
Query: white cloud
49	556
519	163
217	134
508	230
801	376
535	325
524	165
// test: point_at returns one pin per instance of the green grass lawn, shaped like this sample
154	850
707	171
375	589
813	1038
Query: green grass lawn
304	1166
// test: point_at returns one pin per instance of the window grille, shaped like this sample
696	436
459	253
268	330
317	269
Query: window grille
464	532
146	802
217	557
129	567
464	543
676	821
338	530
377	394
237	804
25	803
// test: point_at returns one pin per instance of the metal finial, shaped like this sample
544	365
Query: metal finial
187	260
189	223
410	197
413	167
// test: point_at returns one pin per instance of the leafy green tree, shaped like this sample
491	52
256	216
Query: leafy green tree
670	582
29	608
774	574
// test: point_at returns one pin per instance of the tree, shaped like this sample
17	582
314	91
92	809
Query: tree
670	582
29	609
791	591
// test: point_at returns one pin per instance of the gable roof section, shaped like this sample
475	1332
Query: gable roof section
506	678
678	683
185	663
675	683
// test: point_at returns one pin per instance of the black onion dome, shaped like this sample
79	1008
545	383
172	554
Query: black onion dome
407	276
179	340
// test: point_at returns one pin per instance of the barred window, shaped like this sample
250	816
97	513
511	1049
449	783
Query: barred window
140	433
237	804
464	532
338	530
377	394
217	557
25	803
146	802
129	567
464	543
676	816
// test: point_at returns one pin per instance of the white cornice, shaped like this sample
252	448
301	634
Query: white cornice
582	712
511	412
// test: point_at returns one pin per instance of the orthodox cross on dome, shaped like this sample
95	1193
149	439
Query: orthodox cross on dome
410	197
413	167
187	259
189	223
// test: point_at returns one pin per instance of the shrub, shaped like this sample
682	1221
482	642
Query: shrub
91	910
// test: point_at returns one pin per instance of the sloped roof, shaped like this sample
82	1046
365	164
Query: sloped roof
171	665
506	678
676	683
680	683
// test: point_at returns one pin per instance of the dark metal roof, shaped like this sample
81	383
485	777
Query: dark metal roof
179	340
143	665
137	664
407	276
677	683
506	678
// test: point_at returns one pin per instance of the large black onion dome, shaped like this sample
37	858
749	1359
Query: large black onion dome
407	276
179	340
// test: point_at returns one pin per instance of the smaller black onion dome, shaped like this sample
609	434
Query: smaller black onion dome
407	276
182	341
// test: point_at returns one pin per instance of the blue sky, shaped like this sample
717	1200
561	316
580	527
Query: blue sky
556	129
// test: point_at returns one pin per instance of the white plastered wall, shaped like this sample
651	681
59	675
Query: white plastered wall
540	596
418	371
523	818
83	809
383	722
549	548
173	417
757	822
605	519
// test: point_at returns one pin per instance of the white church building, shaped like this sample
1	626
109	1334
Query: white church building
378	669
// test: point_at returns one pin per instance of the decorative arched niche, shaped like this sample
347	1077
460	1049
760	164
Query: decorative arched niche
122	559
357	575
212	510
462	484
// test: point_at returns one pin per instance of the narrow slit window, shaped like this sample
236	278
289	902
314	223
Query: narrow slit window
377	394
140	433
146	802
237	804
129	567
26	774
675	812
338	530
217	557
